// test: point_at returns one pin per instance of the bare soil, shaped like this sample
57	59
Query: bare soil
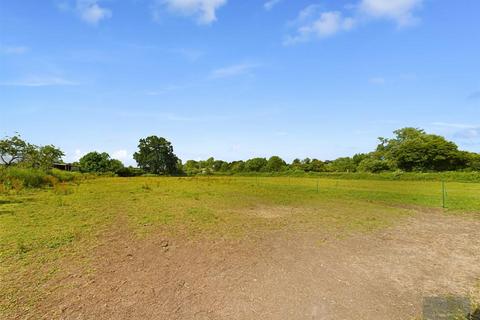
381	275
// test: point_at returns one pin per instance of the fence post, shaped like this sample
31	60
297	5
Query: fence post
317	185
443	195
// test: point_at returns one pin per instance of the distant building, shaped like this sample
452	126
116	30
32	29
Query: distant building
65	166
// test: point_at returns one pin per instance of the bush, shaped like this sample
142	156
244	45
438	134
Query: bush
373	165
129	172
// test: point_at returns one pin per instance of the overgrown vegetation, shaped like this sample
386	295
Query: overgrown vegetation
17	178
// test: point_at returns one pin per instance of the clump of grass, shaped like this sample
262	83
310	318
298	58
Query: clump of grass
62	189
146	187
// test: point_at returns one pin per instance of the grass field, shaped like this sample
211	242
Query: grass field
40	229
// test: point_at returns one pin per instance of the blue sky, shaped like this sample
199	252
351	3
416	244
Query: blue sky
236	79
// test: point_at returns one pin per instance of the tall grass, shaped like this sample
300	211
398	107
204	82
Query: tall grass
17	178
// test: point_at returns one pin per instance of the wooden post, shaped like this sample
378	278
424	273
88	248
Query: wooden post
443	194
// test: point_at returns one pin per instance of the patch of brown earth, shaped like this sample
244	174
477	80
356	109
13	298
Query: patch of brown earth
272	212
384	275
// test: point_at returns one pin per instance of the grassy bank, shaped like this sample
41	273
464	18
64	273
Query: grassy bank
16	178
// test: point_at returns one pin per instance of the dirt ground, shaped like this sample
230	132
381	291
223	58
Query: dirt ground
382	275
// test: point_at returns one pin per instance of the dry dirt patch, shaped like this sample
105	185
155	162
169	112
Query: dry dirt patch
272	212
383	275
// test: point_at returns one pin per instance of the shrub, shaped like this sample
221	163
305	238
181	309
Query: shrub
373	165
129	172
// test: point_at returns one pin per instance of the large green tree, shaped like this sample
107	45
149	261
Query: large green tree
155	155
413	149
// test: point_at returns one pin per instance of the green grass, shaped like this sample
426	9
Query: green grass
41	229
450	176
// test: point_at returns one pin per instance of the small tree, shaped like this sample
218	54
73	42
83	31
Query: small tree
14	150
275	164
256	164
44	157
99	162
155	155
345	164
237	166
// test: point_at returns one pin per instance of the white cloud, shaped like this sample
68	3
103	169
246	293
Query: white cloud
40	81
313	23
163	90
232	71
203	10
401	11
14	49
192	55
78	154
455	125
270	4
325	24
378	80
91	12
120	154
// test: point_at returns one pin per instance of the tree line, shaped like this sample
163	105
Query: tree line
410	149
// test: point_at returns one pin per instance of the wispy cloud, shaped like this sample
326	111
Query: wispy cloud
377	80
471	135
315	23
169	116
474	96
14	50
90	11
121	154
454	125
400	11
191	55
465	132
204	11
164	90
270	4
233	71
40	81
